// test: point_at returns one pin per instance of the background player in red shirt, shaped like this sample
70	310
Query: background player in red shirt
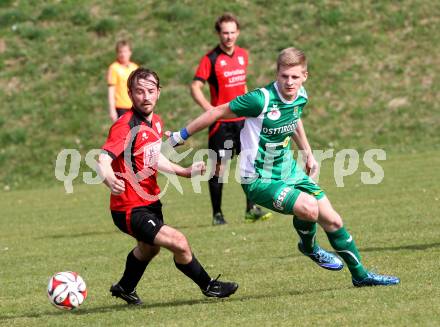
224	68
129	167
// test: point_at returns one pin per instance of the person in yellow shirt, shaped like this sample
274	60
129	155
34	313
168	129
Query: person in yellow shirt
118	100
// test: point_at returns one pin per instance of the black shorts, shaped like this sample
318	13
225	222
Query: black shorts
143	223
224	138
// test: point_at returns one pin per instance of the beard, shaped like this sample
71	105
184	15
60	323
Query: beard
145	108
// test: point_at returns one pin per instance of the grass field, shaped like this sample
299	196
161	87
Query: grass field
395	224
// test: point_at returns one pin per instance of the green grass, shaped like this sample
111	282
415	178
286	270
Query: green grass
374	70
395	225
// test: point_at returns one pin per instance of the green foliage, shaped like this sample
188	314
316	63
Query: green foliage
174	13
105	26
16	136
11	16
6	3
30	31
49	13
81	17
330	17
144	53
373	69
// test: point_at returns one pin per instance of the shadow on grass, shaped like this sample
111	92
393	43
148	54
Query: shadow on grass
191	226
177	303
417	247
56	312
94	233
74	235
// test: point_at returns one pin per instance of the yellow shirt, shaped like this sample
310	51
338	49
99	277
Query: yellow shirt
117	76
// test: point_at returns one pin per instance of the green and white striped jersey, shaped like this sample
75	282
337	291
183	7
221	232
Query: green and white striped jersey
265	138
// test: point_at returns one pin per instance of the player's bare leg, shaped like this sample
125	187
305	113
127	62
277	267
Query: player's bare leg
145	252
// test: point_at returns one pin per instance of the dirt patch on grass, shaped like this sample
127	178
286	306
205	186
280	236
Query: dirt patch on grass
2	46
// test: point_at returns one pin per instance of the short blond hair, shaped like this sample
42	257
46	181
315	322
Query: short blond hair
122	43
291	57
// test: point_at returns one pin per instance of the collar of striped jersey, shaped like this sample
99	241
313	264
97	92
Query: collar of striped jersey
141	117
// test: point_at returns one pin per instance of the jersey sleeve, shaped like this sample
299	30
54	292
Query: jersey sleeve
117	136
250	104
112	78
302	94
204	70
158	122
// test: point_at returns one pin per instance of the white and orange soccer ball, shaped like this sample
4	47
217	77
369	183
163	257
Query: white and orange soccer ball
66	290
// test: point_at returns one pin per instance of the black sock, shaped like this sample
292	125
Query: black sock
249	204
215	191
134	269
195	271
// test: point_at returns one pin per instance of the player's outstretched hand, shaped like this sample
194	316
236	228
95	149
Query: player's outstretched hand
117	186
312	166
174	138
198	168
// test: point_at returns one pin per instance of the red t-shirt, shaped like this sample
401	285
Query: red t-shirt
226	75
134	144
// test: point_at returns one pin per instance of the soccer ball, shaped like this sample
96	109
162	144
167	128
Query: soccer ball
66	290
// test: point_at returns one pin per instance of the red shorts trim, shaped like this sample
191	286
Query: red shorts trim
231	119
214	129
128	221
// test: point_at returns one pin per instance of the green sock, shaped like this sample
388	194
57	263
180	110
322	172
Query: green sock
344	245
307	232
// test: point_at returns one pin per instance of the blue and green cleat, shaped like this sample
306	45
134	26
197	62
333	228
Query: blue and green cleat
323	258
373	279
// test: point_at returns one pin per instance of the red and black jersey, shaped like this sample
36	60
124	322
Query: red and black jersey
134	144
226	75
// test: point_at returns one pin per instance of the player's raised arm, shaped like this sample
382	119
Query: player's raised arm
208	118
204	120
